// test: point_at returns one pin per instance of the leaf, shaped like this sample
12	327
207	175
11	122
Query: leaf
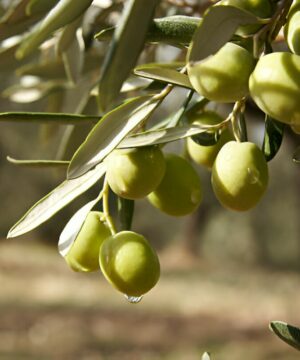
62	14
125	211
217	28
162	136
288	333
165	75
175	30
8	61
30	93
71	230
274	131
207	138
127	43
206	356
39	6
41	117
109	132
73	58
38	163
54	69
57	199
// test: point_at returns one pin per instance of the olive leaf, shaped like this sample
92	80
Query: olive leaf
42	117
57	199
130	34
165	75
62	14
109	132
206	356
125	212
163	136
288	333
39	6
274	131
73	226
207	138
175	30
217	28
38	163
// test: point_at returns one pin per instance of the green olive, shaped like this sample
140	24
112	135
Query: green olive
180	191
275	86
205	155
239	175
260	8
134	173
129	263
84	253
224	76
292	28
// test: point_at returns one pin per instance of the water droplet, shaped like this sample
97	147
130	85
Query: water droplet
133	299
253	175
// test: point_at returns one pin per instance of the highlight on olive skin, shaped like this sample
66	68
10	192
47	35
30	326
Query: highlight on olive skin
180	191
84	253
129	263
239	175
224	76
134	173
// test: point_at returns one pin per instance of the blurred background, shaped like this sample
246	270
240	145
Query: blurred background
225	275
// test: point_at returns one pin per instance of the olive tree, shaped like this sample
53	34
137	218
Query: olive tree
96	63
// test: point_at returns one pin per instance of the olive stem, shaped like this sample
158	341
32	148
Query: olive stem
272	28
238	121
105	203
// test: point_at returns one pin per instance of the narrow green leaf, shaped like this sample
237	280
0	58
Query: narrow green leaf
54	69
274	131
73	58
38	163
30	93
109	132
62	14
71	230
119	61
217	28
165	75
39	6
40	117
207	138
175	30
125	211
162	136
67	36
55	201
288	333
206	356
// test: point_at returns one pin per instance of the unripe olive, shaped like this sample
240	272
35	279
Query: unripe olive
275	86
179	192
292	28
134	173
84	253
129	263
224	76
239	175
260	8
205	155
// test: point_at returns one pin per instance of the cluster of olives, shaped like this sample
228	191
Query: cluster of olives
239	171
126	259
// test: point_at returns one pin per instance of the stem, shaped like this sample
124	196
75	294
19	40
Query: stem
238	121
105	203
